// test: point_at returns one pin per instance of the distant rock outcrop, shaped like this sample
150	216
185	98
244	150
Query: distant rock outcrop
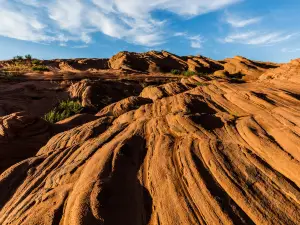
78	65
286	72
242	67
155	62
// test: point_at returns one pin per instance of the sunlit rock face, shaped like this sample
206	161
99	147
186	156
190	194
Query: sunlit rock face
188	152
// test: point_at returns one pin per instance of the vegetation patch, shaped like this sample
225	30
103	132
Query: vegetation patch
41	68
9	76
20	64
64	110
188	73
36	62
176	72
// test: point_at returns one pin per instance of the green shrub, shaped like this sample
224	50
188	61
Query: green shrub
40	68
189	73
36	62
64	110
176	72
18	58
28	57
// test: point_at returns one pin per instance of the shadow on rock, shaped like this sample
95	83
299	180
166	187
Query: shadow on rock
122	199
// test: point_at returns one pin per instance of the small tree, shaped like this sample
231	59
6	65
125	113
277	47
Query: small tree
18	58
28	57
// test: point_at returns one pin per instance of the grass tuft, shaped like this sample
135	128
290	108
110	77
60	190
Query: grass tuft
64	110
40	68
188	73
176	72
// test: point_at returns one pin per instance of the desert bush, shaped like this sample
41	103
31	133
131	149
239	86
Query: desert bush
8	75
28	57
36	62
64	110
40	68
16	67
189	73
18	58
175	72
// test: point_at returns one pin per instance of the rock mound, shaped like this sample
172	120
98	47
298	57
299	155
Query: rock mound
181	153
286	72
154	61
34	97
240	67
21	136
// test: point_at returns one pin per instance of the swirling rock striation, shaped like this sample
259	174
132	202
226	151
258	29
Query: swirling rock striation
189	152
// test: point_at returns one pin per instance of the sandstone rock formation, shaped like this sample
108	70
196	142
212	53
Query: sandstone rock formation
240	66
21	136
188	152
154	62
39	97
78	65
286	72
34	97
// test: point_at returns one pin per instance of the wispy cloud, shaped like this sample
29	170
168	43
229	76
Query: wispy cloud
290	50
242	23
80	46
75	20
236	21
196	41
180	34
258	38
237	37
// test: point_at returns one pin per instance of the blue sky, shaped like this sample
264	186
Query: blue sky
266	30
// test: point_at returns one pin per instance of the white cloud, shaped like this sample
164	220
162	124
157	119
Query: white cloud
29	2
66	13
86	38
142	9
235	21
20	26
196	41
180	34
290	50
106	24
237	37
258	38
242	23
130	20
80	46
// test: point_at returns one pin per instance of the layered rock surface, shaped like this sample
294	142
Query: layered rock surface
189	152
39	97
21	136
286	72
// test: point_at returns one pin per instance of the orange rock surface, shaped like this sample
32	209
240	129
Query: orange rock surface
153	62
186	152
